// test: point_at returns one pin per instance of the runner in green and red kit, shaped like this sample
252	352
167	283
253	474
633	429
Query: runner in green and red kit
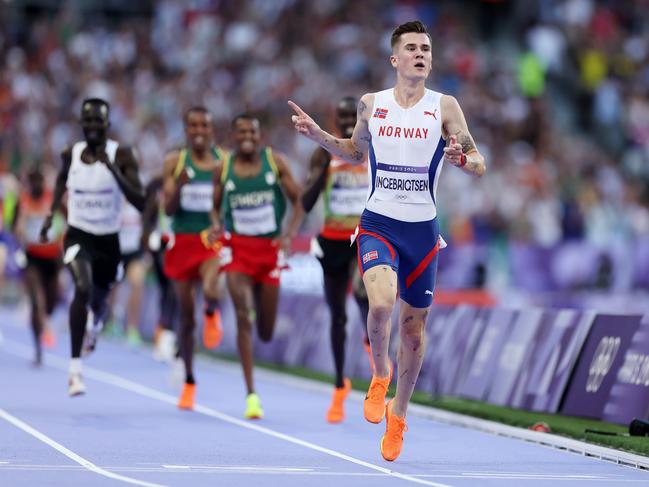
251	190
187	187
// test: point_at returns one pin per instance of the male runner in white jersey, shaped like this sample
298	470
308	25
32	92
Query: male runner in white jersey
97	173
408	131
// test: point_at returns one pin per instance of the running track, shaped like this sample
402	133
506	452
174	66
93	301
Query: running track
127	431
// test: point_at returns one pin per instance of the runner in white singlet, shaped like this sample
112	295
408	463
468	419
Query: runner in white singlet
408	132
97	173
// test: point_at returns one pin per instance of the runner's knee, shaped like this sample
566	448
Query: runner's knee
338	319
265	335
380	311
244	321
411	332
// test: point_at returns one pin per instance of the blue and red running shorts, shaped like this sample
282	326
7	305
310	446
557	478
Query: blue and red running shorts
409	248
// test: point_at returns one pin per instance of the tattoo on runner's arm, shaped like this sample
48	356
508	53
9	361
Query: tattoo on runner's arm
466	141
361	109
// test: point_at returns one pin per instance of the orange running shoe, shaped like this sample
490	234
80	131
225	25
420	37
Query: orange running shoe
374	404
212	330
48	338
336	412
156	334
392	440
186	400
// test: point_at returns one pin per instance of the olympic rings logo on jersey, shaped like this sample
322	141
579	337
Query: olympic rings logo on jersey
602	362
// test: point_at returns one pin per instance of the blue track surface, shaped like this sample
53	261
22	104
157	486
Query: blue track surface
127	427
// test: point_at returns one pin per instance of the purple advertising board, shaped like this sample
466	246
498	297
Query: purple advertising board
514	356
451	352
466	348
599	362
629	397
480	374
440	322
559	340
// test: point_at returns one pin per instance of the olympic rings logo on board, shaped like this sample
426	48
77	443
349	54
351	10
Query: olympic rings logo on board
602	361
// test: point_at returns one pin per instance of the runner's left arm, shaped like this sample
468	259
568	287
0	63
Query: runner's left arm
461	150
126	174
151	207
59	190
293	193
215	213
317	178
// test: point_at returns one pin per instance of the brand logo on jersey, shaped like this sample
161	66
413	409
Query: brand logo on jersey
403	132
432	114
270	178
374	254
381	113
229	186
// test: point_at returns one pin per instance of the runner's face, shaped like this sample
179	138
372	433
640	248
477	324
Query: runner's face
94	122
36	184
413	56
247	135
198	130
346	119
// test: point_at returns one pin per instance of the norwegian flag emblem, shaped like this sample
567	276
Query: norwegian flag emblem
373	254
381	113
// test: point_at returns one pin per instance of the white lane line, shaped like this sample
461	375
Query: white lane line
69	453
55	361
359	475
251	468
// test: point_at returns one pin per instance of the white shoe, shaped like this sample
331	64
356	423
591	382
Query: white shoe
76	386
165	348
177	375
93	330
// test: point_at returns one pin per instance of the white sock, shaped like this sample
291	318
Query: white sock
75	366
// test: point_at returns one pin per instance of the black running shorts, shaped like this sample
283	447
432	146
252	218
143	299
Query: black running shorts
102	251
337	256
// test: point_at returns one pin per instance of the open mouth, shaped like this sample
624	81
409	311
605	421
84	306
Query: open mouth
420	65
247	145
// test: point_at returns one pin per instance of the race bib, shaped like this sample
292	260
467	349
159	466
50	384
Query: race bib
33	225
259	220
347	201
402	184
197	197
94	206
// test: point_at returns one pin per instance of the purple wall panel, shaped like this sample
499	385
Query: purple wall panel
558	343
598	365
514	357
480	374
629	397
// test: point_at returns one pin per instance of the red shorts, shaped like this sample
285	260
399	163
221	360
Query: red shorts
183	260
256	257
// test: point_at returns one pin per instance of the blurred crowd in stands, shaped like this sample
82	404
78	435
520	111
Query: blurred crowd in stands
556	94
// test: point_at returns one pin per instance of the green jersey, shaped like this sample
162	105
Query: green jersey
193	213
253	206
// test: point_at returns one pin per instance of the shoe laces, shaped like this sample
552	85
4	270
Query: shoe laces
396	426
378	390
